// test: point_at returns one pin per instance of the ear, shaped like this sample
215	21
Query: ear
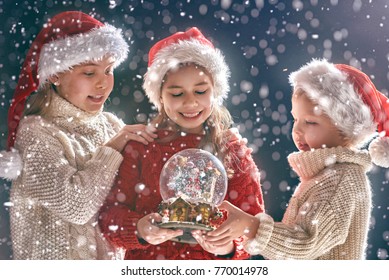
54	80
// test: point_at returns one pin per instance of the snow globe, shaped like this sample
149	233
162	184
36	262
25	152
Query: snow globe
193	183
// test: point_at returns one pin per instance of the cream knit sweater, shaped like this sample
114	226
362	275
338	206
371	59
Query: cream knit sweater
328	215
66	176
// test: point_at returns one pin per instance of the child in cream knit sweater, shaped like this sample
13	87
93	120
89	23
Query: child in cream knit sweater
70	149
336	108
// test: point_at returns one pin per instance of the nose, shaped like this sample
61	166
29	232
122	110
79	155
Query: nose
296	129
190	100
102	81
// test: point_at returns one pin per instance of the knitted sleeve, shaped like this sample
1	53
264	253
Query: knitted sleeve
51	176
317	226
118	217
244	188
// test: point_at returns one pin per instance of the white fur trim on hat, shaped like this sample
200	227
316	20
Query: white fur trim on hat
10	164
329	87
60	55
187	51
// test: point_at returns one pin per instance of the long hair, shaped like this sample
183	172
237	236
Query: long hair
39	102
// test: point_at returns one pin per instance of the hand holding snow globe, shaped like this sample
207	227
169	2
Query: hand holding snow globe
193	183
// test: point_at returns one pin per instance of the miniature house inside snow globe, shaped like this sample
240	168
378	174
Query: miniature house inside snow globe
193	183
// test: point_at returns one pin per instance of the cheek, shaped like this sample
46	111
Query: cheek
319	138
312	134
207	102
311	139
170	108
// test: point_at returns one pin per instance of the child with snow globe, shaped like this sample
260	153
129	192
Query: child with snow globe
70	149
187	80
336	110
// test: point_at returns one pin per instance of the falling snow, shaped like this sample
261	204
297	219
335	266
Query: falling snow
263	41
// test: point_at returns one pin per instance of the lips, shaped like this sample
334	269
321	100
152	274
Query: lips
96	98
303	147
191	115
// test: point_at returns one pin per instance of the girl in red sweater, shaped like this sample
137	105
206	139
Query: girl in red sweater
187	80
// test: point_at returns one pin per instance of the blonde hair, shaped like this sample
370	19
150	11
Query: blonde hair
39	102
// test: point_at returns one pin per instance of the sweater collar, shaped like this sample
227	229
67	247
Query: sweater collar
61	109
308	164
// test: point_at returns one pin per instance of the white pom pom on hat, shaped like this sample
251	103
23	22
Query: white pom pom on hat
10	164
379	151
350	99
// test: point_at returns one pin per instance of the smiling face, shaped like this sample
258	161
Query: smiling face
187	97
87	86
312	129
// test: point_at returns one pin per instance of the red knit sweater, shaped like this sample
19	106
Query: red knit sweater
142	164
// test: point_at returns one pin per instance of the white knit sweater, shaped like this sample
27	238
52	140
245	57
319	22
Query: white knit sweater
66	176
328	215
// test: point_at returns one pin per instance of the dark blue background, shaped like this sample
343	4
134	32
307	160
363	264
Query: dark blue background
263	41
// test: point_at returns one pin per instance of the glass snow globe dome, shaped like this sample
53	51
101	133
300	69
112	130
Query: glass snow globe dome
195	175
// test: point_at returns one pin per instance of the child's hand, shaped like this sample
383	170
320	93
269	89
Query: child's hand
137	132
237	224
218	248
150	232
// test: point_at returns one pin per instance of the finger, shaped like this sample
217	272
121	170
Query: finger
145	135
211	248
218	234
140	131
226	205
132	136
160	237
151	130
133	128
155	218
222	230
220	242
148	130
155	240
155	232
170	232
198	238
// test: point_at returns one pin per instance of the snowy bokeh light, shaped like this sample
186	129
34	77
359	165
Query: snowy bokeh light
262	40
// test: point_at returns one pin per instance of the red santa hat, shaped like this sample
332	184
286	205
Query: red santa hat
350	99
68	39
181	48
